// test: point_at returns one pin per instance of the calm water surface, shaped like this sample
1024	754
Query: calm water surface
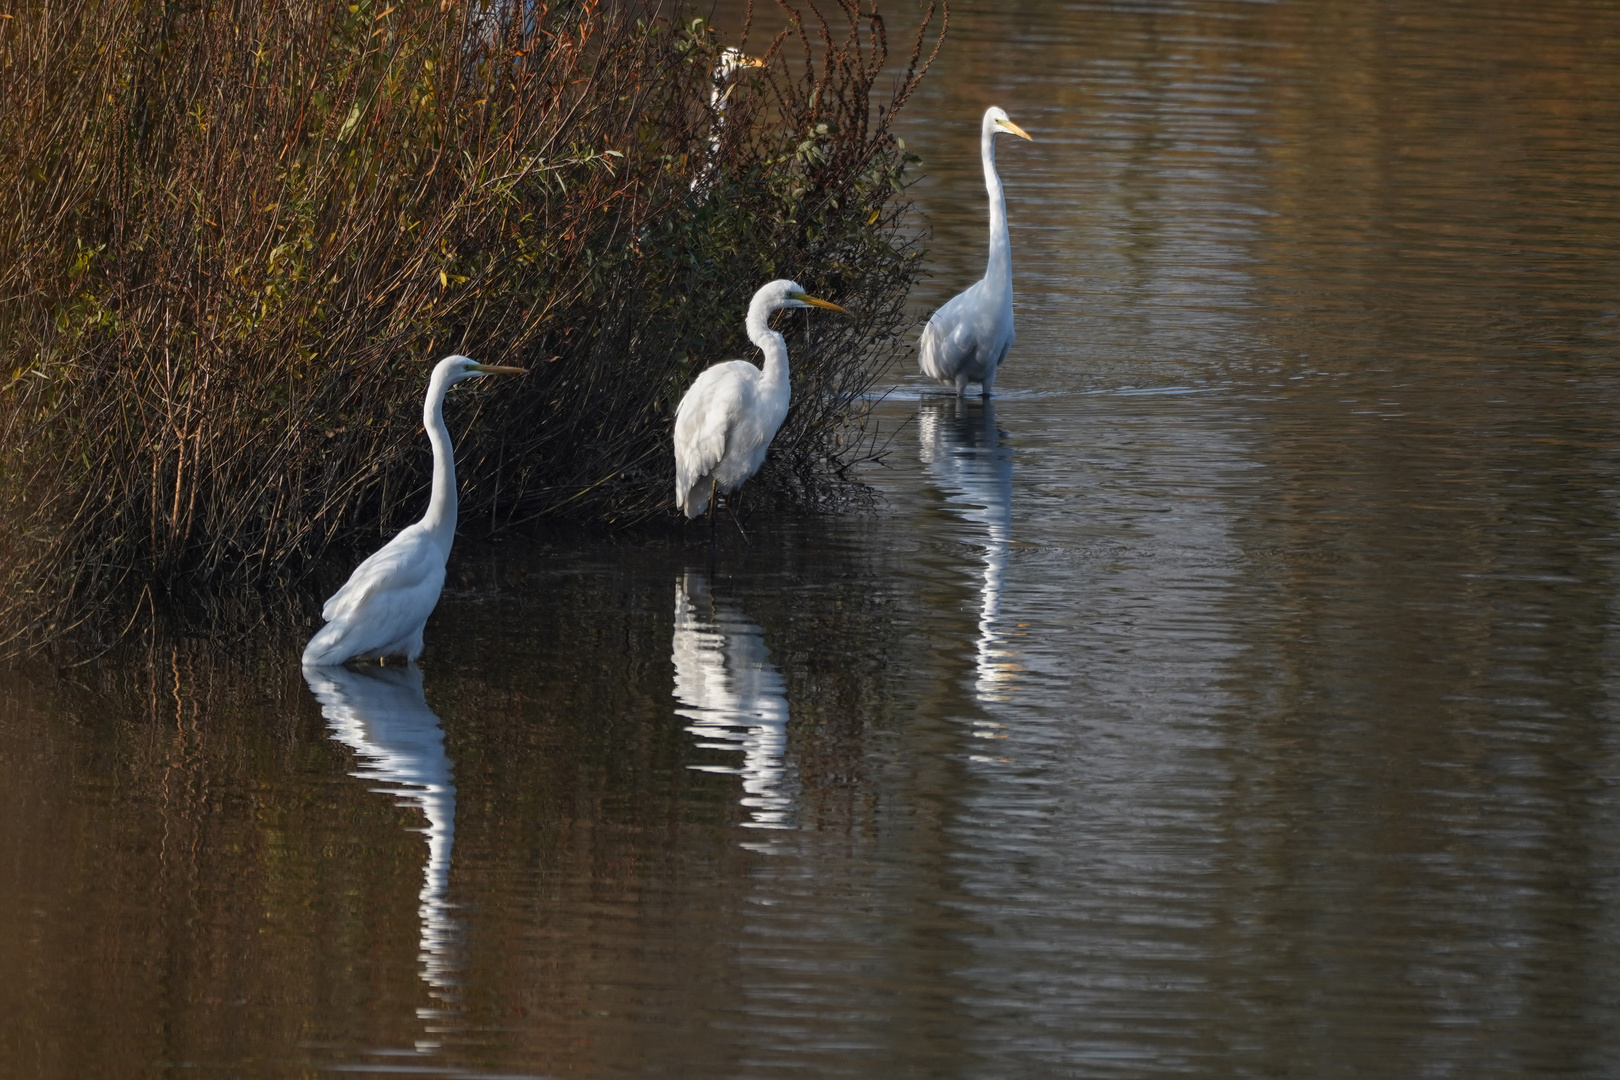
1238	694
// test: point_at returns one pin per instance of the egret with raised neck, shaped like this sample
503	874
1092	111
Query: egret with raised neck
382	608
967	339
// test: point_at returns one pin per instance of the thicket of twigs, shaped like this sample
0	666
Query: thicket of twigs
234	234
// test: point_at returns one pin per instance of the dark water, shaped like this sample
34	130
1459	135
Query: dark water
1237	694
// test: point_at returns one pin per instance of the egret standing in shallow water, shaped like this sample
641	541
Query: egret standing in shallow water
968	338
382	608
726	421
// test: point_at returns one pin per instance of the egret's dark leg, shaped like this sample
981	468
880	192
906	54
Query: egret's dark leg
713	495
731	504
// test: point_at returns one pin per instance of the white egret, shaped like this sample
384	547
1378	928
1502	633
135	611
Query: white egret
726	421
382	608
731	62
967	339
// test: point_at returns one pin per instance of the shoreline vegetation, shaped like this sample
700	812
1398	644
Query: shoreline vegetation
235	236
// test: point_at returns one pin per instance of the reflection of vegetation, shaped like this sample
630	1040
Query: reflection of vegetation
222	850
226	228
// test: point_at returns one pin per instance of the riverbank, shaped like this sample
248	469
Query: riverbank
236	237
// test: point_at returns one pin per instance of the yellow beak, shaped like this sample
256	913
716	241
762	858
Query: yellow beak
1008	125
815	302
496	369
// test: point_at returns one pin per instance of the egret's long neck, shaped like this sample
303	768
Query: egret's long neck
771	344
440	519
999	270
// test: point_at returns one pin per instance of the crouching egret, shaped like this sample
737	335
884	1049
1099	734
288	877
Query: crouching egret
968	338
381	609
726	421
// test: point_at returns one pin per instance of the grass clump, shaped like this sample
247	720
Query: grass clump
234	235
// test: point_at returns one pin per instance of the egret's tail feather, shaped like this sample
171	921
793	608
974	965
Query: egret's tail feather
695	499
326	647
927	346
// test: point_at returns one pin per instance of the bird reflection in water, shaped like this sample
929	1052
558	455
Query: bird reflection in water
381	714
734	697
962	448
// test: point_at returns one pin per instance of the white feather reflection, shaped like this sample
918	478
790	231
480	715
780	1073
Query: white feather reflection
734	697
381	713
962	447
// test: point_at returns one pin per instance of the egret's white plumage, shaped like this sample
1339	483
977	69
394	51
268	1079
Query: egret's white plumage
726	421
731	62
381	609
967	339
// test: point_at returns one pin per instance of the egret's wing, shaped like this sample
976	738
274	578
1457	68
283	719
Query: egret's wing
394	609
960	308
704	419
406	563
947	339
